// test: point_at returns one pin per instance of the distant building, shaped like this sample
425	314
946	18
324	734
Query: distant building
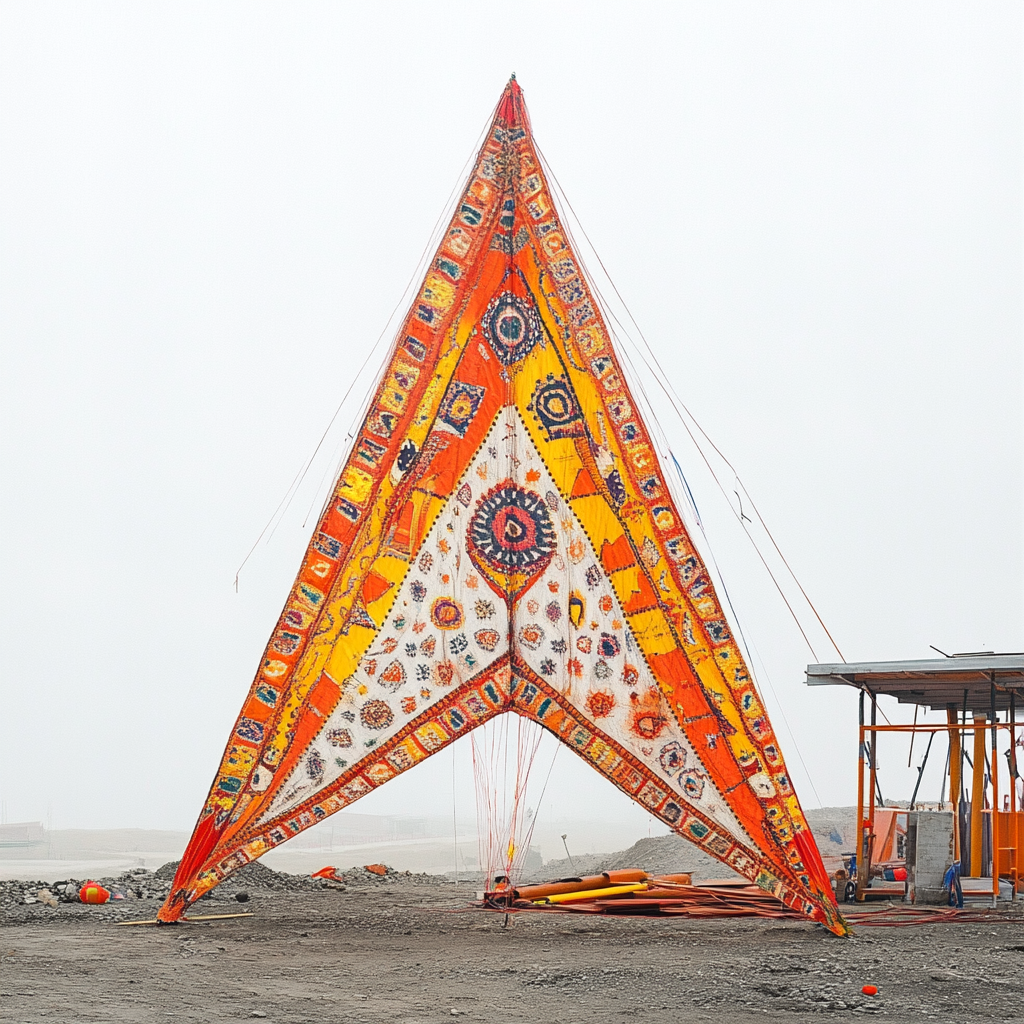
22	835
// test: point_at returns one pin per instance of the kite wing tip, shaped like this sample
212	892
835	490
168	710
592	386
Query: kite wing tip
838	925
174	906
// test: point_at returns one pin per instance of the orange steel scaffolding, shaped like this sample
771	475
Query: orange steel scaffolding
1006	825
983	685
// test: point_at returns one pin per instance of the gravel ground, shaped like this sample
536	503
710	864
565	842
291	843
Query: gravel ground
139	894
406	949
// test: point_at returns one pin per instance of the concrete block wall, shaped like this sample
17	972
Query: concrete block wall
929	854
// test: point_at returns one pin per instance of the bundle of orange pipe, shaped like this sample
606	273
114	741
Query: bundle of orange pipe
591	883
607	885
636	892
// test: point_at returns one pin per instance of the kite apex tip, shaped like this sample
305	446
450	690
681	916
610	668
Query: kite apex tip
510	107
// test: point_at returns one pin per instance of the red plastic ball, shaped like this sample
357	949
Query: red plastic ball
870	990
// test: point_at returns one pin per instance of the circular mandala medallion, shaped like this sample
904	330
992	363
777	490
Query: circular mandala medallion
511	530
446	613
376	714
511	326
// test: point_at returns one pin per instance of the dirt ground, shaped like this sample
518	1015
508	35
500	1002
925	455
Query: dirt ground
409	951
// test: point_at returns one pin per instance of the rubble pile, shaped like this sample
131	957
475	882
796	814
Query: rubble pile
22	899
369	875
138	893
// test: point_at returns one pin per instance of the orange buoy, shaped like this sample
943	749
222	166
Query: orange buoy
93	892
870	990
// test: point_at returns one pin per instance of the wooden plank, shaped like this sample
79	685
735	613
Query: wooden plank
188	920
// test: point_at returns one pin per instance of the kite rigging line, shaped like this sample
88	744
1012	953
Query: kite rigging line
502	771
683	413
455	821
285	503
748	645
680	408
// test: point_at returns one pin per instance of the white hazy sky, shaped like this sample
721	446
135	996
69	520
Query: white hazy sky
209	211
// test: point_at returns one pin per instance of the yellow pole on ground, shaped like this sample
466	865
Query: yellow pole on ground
594	894
977	795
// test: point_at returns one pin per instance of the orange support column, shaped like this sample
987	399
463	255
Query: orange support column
954	775
862	846
994	830
1015	824
977	796
872	790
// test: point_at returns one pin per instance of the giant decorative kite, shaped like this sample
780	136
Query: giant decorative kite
502	539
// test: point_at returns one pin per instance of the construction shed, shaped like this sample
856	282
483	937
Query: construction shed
980	828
